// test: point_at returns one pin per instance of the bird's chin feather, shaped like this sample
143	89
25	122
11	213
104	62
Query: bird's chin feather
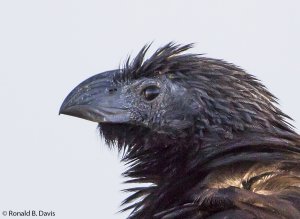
130	137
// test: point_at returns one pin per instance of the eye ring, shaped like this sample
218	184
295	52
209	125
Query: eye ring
151	92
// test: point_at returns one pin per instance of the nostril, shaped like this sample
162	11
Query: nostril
112	90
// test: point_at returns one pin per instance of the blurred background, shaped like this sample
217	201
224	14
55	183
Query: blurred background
59	163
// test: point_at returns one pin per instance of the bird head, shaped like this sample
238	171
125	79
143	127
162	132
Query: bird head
173	96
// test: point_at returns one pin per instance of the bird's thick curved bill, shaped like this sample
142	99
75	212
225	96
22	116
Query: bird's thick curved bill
91	100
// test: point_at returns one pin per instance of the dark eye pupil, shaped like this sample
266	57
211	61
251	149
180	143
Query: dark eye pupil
151	92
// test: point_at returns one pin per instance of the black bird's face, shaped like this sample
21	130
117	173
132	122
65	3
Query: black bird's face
173	96
158	103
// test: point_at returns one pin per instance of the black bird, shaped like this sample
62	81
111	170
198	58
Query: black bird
206	137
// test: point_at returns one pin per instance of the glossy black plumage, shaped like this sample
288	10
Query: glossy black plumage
206	137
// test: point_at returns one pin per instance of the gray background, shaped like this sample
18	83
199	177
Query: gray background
47	47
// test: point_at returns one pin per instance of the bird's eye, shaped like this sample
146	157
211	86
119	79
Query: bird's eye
151	92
